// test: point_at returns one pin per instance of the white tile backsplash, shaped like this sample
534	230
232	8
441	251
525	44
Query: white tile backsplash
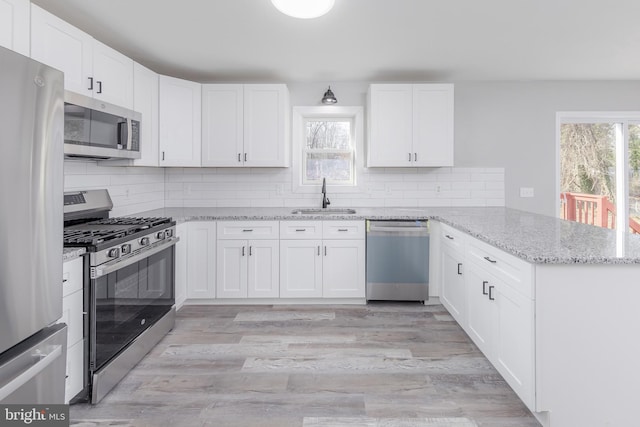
136	189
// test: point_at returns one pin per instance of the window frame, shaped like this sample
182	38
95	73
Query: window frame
355	114
624	118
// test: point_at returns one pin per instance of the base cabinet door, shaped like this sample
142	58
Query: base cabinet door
231	269
263	274
480	309
300	268
343	268
181	264
514	342
201	260
453	292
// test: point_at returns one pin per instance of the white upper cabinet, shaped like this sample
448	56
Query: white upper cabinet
145	101
410	125
180	122
14	25
245	125
112	76
222	125
90	67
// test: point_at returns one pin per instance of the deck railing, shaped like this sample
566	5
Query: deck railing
592	209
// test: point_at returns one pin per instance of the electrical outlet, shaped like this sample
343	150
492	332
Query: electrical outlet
526	192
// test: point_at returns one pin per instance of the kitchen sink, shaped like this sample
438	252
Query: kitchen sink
325	211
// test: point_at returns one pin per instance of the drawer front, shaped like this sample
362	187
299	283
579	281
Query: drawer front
300	229
72	276
452	237
515	272
343	229
248	229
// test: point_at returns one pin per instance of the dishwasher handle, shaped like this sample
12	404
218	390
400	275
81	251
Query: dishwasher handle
397	227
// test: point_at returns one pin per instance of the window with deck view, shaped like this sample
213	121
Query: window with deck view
599	178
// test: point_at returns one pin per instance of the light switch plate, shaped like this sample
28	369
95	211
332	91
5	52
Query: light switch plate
526	192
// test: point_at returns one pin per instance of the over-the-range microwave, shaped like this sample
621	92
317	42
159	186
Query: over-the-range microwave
94	129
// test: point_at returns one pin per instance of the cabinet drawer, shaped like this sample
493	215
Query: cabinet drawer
512	270
72	276
300	229
248	229
72	316
452	237
343	229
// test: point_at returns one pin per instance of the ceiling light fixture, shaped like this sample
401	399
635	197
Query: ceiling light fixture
329	97
304	9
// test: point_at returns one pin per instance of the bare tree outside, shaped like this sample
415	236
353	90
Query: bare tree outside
587	159
328	151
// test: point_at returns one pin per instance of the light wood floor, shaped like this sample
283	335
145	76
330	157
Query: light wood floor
311	366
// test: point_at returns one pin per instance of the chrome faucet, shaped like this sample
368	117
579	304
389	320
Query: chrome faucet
325	199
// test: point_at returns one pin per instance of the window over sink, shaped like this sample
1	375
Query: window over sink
327	143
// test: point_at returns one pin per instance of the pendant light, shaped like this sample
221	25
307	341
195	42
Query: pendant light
304	9
329	98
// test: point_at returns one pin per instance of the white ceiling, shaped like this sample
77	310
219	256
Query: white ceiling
369	40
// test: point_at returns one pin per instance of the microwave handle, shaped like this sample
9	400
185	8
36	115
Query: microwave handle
129	133
122	135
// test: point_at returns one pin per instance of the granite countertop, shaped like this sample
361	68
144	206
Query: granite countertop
69	254
536	238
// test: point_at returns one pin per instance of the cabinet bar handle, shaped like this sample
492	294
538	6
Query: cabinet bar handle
325	251
250	250
342	229
448	237
318	250
415	157
163	156
64	280
90	83
459	265
409	156
245	157
239	159
490	294
484	287
243	251
247	230
301	229
99	86
492	261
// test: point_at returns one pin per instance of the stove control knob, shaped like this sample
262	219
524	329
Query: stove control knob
144	241
125	249
168	233
160	235
114	253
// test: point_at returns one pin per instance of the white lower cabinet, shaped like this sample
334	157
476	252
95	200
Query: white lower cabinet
301	268
72	315
247	269
453	292
201	260
248	259
490	294
322	259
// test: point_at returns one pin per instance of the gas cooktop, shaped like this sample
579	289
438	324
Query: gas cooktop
104	230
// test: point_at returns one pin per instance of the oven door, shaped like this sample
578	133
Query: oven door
127	300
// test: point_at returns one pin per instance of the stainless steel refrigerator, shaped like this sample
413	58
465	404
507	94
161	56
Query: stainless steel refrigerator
32	346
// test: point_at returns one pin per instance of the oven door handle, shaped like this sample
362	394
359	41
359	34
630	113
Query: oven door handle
117	264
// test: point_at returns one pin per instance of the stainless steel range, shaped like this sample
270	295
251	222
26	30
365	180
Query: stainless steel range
128	289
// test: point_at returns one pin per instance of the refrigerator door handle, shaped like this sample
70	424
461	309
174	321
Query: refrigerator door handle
25	376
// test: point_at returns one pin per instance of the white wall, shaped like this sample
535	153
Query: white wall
513	125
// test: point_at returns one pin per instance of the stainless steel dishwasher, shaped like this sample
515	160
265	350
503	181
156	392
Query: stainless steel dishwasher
398	260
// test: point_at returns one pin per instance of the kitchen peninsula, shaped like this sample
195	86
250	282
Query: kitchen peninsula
563	333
